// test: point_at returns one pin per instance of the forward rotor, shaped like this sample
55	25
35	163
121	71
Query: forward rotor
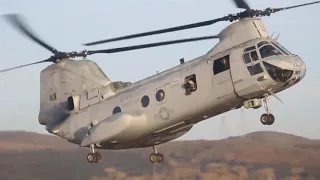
248	13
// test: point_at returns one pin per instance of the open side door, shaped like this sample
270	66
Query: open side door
246	69
222	80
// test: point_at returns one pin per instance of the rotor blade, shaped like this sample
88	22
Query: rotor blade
242	4
9	69
143	46
172	29
292	7
19	24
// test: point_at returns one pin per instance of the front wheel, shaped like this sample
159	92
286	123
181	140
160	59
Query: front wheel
272	119
265	119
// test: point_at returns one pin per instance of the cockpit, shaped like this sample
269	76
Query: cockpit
261	54
263	50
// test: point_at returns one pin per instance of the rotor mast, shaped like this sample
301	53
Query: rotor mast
240	32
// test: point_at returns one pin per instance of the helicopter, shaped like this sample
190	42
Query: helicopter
80	103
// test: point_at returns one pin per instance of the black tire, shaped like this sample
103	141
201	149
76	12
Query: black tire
265	119
98	156
160	158
91	158
153	157
271	119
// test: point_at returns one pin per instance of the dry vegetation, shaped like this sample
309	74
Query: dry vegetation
256	156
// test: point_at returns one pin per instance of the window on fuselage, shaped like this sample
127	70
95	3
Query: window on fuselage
116	110
221	64
250	55
255	69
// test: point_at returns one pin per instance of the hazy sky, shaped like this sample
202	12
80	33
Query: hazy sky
68	24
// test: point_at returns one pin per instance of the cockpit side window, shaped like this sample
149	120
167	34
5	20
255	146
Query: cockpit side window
281	49
254	55
269	50
246	58
255	69
250	54
250	49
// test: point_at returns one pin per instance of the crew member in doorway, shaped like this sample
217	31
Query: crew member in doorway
225	63
190	86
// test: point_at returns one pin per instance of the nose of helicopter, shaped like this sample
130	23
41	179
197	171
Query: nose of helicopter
300	68
289	69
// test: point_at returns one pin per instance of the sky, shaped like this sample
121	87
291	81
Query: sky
68	24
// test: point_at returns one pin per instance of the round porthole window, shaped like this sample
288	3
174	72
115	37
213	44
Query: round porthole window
160	95
145	100
116	110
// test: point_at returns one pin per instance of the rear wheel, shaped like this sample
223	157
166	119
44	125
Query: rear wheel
98	156
91	158
156	157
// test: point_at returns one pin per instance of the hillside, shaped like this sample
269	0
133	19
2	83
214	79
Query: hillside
258	155
24	141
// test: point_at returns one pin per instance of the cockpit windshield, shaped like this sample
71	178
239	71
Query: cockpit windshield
262	50
278	74
283	48
266	49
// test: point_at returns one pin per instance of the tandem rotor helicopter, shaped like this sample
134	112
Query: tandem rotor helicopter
79	103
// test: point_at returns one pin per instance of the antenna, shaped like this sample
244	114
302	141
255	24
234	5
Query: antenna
277	37
271	36
182	61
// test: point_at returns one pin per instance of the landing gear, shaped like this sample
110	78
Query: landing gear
156	157
93	157
267	118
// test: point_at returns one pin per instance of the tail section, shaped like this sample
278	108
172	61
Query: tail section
62	80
